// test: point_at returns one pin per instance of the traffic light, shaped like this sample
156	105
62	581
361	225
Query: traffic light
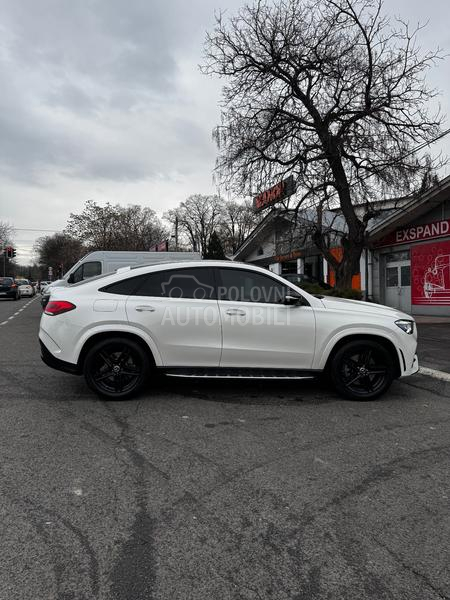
10	252
13	252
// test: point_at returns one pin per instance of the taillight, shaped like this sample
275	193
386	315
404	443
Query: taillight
58	307
14	285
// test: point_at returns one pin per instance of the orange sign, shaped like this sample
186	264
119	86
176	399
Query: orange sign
356	279
275	194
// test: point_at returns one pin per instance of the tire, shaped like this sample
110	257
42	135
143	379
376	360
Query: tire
116	368
16	297
362	370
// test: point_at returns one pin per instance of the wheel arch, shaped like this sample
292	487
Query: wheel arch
357	337
103	335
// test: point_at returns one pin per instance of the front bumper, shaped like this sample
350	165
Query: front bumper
55	363
411	368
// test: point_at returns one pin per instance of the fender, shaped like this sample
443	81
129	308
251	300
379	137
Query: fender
118	328
322	353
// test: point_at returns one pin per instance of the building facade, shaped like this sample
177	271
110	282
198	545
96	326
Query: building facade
406	264
410	255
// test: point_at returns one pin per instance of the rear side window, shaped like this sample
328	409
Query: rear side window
195	283
126	287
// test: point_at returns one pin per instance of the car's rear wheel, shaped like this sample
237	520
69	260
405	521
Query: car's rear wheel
362	370
116	368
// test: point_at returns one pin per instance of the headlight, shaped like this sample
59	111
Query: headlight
407	326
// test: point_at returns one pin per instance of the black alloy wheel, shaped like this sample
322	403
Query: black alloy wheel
116	368
362	370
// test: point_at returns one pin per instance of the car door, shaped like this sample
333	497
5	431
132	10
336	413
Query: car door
258	328
179	309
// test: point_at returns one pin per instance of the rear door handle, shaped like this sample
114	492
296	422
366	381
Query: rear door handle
235	311
145	308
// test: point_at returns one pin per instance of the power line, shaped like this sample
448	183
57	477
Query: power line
31	229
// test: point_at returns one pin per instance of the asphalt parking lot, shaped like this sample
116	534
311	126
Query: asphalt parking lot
211	491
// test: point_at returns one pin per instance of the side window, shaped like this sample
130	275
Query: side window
126	287
77	275
91	269
239	285
87	270
195	283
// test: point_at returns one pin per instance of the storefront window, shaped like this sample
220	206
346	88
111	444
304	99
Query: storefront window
290	266
392	277
397	256
405	275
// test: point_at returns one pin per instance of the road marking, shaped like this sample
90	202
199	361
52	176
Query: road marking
435	374
18	312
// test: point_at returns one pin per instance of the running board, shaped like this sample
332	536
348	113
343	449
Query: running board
238	373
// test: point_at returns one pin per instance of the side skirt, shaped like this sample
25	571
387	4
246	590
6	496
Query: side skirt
238	373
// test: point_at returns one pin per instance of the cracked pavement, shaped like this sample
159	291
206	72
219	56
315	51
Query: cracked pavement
217	490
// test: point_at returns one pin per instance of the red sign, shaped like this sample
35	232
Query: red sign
430	274
416	233
161	247
275	194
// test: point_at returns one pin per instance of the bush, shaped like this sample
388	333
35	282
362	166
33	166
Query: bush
347	293
316	290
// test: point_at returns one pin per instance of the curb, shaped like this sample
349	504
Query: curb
434	373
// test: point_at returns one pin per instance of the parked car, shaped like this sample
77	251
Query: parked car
301	279
108	261
9	288
221	319
43	285
25	287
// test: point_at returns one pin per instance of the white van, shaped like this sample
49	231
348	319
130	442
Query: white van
106	261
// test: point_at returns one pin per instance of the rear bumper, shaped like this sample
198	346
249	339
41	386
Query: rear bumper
9	295
55	363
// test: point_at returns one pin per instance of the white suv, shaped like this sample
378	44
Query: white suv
221	319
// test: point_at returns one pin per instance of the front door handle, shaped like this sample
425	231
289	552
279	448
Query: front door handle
235	311
145	308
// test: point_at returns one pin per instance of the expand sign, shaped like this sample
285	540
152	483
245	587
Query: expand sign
275	194
416	233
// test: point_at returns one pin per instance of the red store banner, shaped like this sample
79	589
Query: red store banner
430	274
416	233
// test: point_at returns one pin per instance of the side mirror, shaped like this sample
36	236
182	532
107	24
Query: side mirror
290	300
71	279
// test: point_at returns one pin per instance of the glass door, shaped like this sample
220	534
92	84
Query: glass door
398	281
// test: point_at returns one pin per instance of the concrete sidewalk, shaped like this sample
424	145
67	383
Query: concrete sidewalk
434	343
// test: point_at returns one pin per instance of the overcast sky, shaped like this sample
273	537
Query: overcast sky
103	100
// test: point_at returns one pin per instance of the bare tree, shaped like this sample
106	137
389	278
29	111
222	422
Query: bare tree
116	227
197	218
59	251
6	234
331	91
238	220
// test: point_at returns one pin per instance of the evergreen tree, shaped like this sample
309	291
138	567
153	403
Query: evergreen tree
215	250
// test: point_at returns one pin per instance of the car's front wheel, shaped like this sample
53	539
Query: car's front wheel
362	370
116	368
